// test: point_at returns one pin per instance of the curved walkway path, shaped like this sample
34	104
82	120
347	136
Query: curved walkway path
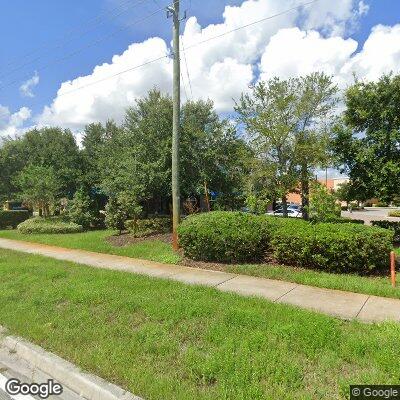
346	305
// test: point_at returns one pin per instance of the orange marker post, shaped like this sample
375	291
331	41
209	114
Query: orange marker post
393	268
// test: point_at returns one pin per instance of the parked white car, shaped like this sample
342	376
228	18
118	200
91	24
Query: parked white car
292	212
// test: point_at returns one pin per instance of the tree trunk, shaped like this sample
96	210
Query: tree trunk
284	206
305	192
206	194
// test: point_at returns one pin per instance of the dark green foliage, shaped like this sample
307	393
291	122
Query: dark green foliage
11	219
149	226
332	247
49	225
367	146
39	187
392	225
323	206
53	148
119	209
347	221
234	236
224	236
83	211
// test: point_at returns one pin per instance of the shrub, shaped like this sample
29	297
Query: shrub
119	209
83	211
347	221
323	206
392	225
224	236
11	219
332	247
49	225
395	213
149	226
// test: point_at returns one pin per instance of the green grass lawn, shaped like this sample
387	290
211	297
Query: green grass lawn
162	252
154	250
165	340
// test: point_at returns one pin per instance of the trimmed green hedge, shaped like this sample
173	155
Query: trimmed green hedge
395	213
49	225
348	221
392	225
234	236
223	236
332	247
11	219
149	226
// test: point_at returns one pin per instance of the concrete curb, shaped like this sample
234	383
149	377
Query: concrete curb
89	386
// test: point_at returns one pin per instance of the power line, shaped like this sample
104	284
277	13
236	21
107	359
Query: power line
253	23
187	69
97	21
188	48
91	44
184	87
197	44
114	75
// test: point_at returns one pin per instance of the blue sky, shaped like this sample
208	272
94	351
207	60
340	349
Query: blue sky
26	26
39	33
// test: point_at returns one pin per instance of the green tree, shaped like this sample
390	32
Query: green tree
40	187
323	206
213	158
48	147
268	114
137	157
317	99
345	193
12	162
367	147
120	208
93	139
147	132
83	210
289	125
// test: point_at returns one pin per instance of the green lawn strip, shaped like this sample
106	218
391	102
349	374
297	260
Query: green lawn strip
158	251
95	241
165	340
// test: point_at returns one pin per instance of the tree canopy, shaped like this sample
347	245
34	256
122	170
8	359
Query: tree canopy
289	126
367	145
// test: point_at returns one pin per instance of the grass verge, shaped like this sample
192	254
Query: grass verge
158	251
166	340
153	250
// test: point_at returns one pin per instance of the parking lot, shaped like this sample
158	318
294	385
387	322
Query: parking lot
371	214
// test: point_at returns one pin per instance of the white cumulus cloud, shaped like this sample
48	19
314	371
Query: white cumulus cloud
219	69
292	52
380	54
11	123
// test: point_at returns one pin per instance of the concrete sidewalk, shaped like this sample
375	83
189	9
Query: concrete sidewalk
346	305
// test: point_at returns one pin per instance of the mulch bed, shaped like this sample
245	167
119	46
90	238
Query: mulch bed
126	239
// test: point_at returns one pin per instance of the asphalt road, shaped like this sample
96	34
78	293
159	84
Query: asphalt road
372	214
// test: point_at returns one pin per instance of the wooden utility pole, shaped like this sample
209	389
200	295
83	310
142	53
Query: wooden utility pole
176	96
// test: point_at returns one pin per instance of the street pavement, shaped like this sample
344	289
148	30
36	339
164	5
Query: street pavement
371	214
